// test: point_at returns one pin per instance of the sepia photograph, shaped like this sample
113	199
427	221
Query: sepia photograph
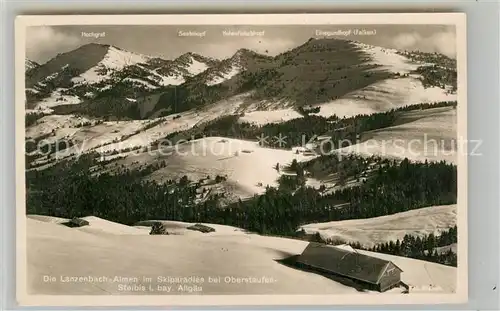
301	159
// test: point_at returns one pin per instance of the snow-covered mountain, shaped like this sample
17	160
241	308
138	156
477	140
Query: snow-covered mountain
107	123
242	60
94	68
338	77
323	72
29	65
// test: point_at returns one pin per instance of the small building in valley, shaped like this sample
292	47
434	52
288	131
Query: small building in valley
349	265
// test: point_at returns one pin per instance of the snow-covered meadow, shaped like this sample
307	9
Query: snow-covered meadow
108	249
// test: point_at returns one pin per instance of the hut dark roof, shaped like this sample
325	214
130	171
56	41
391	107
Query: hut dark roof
201	228
343	262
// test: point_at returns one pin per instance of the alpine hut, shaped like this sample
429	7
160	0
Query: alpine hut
369	272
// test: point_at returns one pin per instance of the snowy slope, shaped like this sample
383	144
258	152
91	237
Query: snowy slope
389	93
388	58
370	231
99	225
248	167
447	248
403	89
180	122
102	67
120	135
196	67
180	228
230	67
169	80
383	96
60	251
56	99
227	74
263	117
29	64
60	125
56	250
422	276
430	134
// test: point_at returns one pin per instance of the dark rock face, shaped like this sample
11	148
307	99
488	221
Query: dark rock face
158	229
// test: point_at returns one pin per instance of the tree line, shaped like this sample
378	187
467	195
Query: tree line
423	248
299	131
87	187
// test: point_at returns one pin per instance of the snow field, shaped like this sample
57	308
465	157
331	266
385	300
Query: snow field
56	99
224	76
115	59
371	231
59	251
180	228
383	96
388	58
431	135
196	67
270	116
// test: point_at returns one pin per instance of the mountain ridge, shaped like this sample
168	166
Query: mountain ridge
100	81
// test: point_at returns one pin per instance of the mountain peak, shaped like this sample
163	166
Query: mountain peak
244	52
188	56
29	64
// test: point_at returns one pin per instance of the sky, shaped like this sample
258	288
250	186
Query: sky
45	42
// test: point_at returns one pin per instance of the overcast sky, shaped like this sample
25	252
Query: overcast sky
44	42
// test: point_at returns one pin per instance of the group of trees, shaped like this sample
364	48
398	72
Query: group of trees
78	188
434	58
127	196
45	85
299	131
424	248
437	69
307	110
31	118
438	76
